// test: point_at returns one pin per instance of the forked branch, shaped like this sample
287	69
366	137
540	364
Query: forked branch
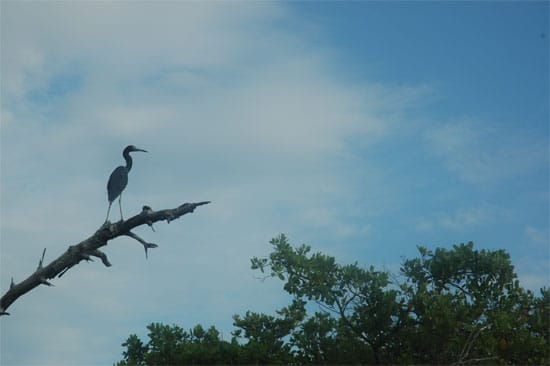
89	248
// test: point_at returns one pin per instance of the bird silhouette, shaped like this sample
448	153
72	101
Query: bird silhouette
119	179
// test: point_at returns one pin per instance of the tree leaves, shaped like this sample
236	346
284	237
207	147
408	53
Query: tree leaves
453	305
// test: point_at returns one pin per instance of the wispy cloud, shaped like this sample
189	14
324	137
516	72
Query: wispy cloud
231	109
481	152
464	218
537	236
534	272
237	105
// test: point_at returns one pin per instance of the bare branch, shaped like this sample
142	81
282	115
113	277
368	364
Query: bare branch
145	244
477	360
90	247
98	253
41	260
462	359
148	209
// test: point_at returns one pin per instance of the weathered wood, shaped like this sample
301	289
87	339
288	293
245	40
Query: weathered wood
90	248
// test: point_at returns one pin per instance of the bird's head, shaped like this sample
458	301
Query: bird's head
131	148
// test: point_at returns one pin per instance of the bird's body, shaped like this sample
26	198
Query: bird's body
117	182
119	179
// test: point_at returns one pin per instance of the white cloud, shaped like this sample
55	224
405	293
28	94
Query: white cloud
482	152
232	110
463	218
22	70
536	236
473	216
533	273
235	106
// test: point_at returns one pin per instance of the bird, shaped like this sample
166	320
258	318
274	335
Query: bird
119	179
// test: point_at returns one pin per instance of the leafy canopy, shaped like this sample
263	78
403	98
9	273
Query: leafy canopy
448	306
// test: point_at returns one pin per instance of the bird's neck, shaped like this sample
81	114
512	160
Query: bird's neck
128	159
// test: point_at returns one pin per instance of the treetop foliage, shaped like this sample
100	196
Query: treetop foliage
449	306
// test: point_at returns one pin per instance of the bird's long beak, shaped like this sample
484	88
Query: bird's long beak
141	150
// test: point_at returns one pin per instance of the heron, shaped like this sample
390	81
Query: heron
119	179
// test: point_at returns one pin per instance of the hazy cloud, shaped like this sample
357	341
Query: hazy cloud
464	218
481	152
231	109
236	105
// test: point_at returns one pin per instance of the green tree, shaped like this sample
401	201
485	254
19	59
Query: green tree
449	306
323	340
315	340
266	334
467	306
165	344
171	345
360	297
135	351
453	306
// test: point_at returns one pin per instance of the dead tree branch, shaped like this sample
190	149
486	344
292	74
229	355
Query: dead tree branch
89	248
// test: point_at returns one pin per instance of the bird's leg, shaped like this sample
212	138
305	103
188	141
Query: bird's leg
120	206
109	209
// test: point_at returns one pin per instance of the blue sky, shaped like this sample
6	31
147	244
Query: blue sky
362	129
